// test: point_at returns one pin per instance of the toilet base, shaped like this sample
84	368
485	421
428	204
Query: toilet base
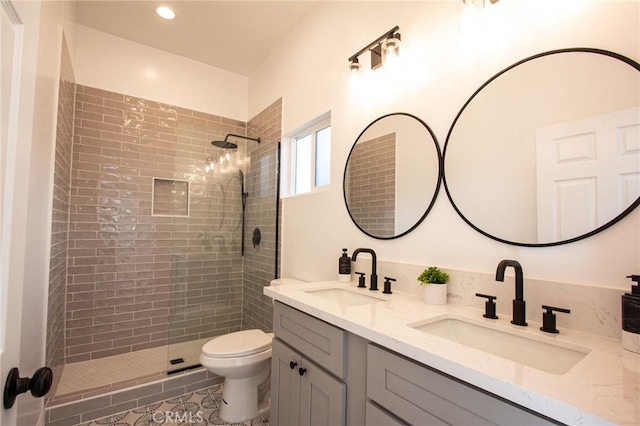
240	399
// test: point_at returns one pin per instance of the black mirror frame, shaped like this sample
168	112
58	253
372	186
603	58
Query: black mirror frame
613	221
438	183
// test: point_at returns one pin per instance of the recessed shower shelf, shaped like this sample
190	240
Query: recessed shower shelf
170	197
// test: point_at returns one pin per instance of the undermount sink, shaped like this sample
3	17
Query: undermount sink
344	297
546	356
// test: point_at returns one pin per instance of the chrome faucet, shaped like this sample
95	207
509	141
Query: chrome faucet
519	309
374	278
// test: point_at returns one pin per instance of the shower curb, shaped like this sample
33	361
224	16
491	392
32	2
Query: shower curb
83	410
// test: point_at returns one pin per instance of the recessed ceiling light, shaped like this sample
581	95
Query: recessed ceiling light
165	12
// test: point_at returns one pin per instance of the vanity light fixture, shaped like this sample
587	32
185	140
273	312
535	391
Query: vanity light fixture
354	66
165	12
387	44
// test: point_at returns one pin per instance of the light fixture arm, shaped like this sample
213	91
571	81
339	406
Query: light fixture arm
385	36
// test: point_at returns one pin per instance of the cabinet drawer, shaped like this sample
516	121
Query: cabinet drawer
421	395
317	340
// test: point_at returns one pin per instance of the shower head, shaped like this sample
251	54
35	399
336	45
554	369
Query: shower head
224	144
241	176
230	145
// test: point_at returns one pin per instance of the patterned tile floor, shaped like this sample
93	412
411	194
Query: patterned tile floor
200	408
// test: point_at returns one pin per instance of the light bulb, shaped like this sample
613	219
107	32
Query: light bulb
354	66
165	12
392	46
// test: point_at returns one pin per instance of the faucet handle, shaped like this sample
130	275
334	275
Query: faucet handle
489	306
549	318
387	285
361	283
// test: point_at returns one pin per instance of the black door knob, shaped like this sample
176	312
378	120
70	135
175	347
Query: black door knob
39	385
301	371
293	364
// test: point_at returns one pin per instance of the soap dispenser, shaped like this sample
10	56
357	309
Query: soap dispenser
631	316
344	267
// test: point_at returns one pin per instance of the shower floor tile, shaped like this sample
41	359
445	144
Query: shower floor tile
110	373
196	408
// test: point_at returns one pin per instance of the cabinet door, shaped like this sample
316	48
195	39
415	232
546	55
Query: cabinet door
376	416
322	397
285	385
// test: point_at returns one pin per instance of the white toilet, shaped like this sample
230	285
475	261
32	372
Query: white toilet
243	358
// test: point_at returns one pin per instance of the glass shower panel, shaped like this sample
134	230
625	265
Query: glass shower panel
260	260
206	280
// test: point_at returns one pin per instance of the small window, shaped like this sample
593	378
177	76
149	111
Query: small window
311	157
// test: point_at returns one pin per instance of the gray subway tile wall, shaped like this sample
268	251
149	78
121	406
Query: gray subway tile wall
138	280
259	267
55	351
372	177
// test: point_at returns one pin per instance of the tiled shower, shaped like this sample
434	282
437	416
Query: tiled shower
146	244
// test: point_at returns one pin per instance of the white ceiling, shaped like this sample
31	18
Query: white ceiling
232	35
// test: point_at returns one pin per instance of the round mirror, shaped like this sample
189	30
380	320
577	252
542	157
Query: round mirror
547	151
392	176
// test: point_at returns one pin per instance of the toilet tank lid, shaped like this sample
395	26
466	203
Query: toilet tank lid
240	343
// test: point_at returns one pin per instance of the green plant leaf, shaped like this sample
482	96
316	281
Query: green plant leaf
433	275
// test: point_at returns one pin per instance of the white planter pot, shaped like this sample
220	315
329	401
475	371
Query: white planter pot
435	294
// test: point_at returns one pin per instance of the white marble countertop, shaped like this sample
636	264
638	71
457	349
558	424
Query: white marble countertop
603	388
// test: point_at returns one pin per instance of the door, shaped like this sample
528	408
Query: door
588	171
19	24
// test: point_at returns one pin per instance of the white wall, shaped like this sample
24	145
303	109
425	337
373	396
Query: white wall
444	62
118	65
43	29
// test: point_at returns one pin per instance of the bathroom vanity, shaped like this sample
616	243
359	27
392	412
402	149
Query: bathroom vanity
316	369
344	355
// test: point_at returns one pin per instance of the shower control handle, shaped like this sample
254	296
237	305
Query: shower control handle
301	371
293	365
256	238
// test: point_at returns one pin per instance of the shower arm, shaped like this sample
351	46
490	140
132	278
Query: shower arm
226	138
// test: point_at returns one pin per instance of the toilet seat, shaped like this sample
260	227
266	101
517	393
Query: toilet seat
238	344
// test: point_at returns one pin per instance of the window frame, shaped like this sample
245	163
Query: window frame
311	129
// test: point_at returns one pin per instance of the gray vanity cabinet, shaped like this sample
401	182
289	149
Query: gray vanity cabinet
420	395
308	370
346	380
303	393
376	416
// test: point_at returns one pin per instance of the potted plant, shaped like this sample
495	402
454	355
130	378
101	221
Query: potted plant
435	285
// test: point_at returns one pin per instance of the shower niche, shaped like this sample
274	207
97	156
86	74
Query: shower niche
170	197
